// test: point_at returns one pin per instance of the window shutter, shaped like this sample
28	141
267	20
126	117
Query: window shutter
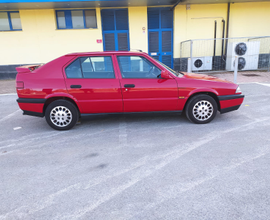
166	18
121	17
167	59
166	41
153	42
109	42
122	41
107	20
153	18
115	29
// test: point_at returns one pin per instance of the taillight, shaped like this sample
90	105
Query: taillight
19	85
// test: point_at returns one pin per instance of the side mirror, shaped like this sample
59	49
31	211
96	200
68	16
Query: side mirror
165	75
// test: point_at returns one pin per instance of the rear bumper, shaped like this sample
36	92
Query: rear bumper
32	107
36	101
230	102
33	113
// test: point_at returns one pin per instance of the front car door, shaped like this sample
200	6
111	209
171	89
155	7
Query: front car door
92	81
142	87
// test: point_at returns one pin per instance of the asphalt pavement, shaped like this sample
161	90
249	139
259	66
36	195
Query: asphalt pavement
138	166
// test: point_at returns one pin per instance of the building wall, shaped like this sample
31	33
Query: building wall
246	20
197	22
40	41
138	21
250	19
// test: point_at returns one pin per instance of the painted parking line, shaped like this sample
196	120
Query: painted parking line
8	94
17	128
259	83
9	116
264	84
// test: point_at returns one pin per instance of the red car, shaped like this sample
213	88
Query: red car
79	84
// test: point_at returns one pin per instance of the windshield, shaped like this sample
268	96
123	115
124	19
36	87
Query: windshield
170	70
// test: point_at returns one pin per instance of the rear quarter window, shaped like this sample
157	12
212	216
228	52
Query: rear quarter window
74	70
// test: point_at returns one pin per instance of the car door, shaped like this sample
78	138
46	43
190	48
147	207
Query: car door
92	81
142	87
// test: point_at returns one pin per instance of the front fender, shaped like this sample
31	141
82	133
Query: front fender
203	90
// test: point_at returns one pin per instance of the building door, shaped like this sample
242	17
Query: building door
115	29
160	34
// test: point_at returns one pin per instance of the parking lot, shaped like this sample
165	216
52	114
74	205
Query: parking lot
138	166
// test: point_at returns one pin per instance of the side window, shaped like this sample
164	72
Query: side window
97	67
91	68
74	70
137	67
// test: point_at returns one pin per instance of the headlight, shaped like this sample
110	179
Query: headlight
238	90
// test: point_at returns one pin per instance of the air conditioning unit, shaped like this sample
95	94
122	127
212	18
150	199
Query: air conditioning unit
201	63
244	63
248	55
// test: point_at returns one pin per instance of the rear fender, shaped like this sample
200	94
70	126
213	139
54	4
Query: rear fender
56	96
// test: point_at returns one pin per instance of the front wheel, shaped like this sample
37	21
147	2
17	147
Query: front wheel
61	115
201	109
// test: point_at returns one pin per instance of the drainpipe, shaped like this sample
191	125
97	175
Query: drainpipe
215	36
227	27
175	4
223	35
222	46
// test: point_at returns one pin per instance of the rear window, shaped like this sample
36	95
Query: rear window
91	68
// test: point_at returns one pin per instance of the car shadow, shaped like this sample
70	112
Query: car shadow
134	118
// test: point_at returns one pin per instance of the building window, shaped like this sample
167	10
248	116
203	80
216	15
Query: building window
76	19
10	21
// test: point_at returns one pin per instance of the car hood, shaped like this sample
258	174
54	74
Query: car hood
204	77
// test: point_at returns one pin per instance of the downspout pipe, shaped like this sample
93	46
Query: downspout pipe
227	27
223	35
222	45
215	42
175	4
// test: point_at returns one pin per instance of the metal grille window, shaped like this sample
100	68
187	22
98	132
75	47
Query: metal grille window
160	34
115	29
10	21
76	19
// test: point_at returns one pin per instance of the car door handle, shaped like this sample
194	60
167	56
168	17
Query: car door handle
129	85
75	86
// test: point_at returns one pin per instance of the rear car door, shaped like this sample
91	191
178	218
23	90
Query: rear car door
142	87
92	81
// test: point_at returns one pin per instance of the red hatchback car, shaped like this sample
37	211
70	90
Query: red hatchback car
79	84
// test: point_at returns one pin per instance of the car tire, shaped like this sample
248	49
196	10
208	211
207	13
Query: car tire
201	109
61	115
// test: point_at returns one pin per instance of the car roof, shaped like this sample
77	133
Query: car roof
106	53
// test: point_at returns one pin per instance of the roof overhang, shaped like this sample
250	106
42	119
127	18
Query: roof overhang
54	4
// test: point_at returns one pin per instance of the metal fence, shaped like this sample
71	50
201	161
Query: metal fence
215	55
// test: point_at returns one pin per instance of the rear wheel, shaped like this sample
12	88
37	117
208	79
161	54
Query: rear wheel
201	109
61	115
